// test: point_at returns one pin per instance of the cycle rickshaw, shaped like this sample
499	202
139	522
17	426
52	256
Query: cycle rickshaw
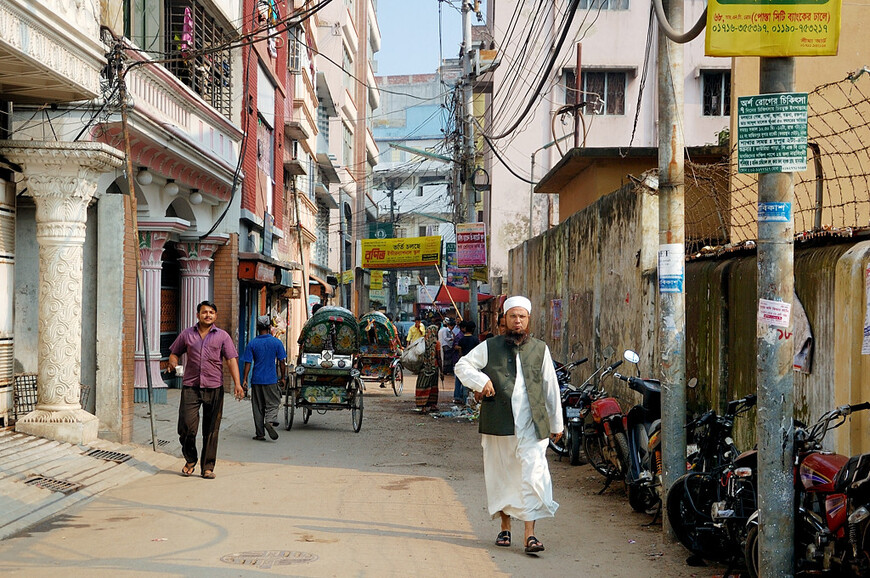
326	377
380	351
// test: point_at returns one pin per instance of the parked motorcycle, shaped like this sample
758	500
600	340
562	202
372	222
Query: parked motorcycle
642	426
832	500
573	401
709	506
604	439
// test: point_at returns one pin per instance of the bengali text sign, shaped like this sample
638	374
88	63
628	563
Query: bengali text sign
401	253
471	244
772	133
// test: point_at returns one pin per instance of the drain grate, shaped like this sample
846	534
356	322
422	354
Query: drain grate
52	484
108	456
269	558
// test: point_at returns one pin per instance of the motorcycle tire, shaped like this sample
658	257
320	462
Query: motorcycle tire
574	449
642	498
689	501
621	443
750	551
593	447
560	448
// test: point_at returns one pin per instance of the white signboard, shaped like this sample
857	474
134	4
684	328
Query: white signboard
776	313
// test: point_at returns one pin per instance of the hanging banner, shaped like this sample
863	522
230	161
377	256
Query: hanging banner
376	281
777	28
456	276
471	244
401	253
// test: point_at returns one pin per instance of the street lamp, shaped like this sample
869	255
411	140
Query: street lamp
532	177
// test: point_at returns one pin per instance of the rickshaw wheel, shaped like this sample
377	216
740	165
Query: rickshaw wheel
289	408
398	379
306	414
356	407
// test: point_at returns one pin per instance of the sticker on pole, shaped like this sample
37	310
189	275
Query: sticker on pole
775	313
772	133
672	260
774	212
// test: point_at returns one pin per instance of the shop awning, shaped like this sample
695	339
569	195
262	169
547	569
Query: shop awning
459	295
320	287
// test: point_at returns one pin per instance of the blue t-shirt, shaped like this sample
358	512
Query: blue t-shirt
264	351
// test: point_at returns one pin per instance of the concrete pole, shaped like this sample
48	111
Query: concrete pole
531	193
394	274
468	133
672	304
775	430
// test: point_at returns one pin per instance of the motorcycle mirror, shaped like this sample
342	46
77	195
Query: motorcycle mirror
631	356
692	383
608	352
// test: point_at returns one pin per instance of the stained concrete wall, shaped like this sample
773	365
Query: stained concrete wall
601	263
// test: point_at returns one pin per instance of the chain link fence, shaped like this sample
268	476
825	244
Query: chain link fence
832	197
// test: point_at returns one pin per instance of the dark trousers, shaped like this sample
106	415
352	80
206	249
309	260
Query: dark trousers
212	401
264	404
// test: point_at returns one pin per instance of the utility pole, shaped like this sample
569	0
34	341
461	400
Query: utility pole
774	430
468	135
394	276
671	267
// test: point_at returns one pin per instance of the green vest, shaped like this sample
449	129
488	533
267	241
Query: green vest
496	414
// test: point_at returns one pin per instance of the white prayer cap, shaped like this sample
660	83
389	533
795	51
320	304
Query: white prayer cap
517	301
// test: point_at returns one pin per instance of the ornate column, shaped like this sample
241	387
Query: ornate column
62	179
153	235
195	268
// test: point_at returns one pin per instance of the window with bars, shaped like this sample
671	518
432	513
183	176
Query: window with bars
192	35
604	4
569	84
717	92
347	146
347	65
610	87
320	255
294	49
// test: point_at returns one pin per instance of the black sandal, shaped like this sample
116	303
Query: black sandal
503	539
533	545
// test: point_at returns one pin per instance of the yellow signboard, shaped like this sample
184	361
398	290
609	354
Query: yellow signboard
377	280
401	253
777	28
346	277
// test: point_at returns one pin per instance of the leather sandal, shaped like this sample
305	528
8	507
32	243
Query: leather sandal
503	539
208	475
533	545
188	469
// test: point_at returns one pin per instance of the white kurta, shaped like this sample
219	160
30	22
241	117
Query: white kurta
515	467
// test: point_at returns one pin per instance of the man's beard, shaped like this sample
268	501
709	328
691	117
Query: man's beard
516	337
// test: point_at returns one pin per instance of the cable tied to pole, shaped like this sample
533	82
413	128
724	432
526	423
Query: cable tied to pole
668	30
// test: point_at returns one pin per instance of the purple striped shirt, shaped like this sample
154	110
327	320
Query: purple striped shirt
204	366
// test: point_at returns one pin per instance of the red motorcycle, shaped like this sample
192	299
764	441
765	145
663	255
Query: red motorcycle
832	497
604	439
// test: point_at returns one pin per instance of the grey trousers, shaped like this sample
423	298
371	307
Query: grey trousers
264	403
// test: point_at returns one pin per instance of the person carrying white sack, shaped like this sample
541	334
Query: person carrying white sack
519	410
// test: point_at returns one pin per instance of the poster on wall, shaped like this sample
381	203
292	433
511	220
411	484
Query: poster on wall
471	244
556	306
865	346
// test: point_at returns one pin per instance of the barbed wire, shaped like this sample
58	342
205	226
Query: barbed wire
830	197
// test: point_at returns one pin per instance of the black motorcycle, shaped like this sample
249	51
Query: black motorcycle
573	401
708	507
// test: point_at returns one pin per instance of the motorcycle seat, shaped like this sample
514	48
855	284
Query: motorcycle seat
854	476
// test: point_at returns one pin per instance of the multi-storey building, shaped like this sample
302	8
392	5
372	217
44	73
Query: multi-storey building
69	188
611	50
348	39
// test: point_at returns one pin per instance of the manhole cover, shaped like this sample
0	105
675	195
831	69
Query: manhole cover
269	558
52	484
108	456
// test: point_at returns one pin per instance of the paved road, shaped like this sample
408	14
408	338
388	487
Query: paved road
404	497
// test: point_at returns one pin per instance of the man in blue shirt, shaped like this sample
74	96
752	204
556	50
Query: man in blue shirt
268	355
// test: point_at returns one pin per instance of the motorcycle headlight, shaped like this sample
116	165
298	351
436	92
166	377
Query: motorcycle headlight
859	515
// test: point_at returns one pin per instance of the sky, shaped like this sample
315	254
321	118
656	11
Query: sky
409	35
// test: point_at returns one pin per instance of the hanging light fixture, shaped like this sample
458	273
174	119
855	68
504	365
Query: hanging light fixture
170	188
144	177
195	197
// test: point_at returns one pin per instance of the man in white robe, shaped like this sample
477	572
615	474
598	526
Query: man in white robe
518	483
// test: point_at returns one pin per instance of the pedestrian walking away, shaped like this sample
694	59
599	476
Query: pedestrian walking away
520	409
463	347
427	379
206	347
269	357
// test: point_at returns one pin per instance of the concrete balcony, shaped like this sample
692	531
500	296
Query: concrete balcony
374	29
374	93
50	50
371	148
301	113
